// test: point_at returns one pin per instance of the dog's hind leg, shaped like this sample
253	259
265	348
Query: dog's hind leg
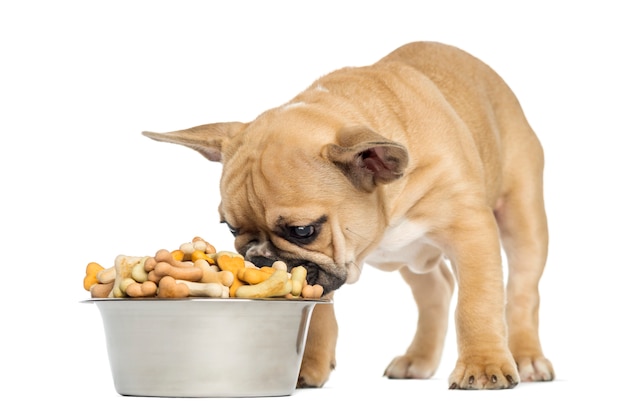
432	292
523	228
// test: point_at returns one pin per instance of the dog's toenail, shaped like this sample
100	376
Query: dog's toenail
510	379
452	386
494	379
471	380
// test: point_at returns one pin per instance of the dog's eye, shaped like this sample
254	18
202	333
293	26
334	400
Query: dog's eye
232	230
302	232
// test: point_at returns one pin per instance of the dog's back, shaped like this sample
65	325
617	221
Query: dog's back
487	106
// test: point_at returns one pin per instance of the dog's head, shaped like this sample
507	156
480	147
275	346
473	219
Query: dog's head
300	190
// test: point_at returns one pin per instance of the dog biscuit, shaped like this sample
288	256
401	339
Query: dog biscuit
195	269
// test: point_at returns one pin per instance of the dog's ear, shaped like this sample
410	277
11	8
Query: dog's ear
367	158
206	139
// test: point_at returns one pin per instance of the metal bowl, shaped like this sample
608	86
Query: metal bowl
203	347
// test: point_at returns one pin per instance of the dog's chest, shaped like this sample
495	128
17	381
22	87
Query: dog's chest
405	244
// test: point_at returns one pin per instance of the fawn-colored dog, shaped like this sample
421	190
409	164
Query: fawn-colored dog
424	156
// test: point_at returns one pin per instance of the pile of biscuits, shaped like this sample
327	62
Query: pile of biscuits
196	269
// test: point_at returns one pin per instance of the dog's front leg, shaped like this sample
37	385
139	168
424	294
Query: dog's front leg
319	354
484	361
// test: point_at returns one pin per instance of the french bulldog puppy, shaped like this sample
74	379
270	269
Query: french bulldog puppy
422	159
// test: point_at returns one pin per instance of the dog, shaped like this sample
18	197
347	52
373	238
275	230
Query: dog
422	163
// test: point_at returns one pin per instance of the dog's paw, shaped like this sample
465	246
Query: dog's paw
314	374
488	372
407	367
535	369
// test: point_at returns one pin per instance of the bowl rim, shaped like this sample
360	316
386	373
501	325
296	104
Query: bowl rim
207	299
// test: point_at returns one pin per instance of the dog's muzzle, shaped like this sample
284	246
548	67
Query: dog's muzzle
329	280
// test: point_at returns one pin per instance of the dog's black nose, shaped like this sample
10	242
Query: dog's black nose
261	261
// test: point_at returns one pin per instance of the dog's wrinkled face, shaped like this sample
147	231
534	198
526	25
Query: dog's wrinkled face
305	200
306	234
286	202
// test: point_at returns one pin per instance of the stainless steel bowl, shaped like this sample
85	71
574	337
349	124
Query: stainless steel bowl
202	347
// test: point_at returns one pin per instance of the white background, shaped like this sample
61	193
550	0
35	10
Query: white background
79	81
